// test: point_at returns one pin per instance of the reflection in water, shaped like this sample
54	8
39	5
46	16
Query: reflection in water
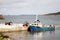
24	35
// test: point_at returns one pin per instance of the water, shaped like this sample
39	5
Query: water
31	18
24	35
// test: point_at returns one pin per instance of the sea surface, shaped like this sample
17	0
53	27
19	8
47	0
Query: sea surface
31	18
25	35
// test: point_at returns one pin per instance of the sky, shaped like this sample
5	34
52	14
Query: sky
29	7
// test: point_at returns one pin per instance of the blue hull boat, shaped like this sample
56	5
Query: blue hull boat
36	28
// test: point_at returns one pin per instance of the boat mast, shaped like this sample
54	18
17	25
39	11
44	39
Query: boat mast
36	17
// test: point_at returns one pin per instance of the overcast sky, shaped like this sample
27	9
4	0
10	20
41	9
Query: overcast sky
18	7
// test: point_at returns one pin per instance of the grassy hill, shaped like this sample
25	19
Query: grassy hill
58	13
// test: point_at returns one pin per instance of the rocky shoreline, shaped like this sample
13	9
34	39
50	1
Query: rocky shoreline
4	37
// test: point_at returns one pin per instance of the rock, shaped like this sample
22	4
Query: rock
1	17
6	37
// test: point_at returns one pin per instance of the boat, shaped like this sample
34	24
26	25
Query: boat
9	27
37	26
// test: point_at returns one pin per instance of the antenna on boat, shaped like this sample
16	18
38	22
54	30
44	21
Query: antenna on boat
36	17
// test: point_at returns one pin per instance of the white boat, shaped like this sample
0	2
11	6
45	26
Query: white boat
13	27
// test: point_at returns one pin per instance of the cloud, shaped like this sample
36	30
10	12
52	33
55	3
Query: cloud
12	7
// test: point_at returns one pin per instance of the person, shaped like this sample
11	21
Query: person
8	23
26	24
38	20
51	25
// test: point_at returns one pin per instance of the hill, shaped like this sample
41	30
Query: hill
58	13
